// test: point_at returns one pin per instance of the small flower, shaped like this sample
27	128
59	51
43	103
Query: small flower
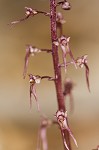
62	121
68	87
30	11
30	50
33	80
82	62
45	123
63	41
64	5
34	50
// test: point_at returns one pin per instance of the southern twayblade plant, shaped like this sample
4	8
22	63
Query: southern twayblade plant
56	21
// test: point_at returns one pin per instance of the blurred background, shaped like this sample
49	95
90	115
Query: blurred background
18	124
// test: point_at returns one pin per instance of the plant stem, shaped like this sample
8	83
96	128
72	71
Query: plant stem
57	69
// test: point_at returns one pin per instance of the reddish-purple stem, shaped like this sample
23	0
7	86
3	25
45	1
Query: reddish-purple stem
57	69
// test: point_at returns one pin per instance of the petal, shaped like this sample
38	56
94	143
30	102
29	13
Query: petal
44	138
38	140
64	141
71	102
35	96
26	62
31	87
71	55
71	134
20	20
38	80
56	43
33	91
87	76
64	56
59	26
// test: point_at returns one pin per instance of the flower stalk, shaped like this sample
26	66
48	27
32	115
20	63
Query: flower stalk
57	69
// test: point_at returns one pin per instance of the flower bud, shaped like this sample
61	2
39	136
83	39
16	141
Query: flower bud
66	5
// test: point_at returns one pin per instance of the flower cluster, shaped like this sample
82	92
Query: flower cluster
61	117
